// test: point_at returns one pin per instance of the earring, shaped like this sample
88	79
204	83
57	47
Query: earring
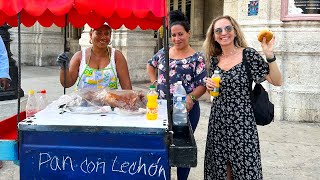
90	41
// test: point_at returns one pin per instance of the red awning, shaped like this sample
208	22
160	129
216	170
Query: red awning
147	14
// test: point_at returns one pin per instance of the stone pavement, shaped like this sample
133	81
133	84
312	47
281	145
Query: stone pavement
289	150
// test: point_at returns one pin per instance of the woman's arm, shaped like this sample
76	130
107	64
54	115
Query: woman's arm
200	76
122	71
151	71
197	93
72	71
274	77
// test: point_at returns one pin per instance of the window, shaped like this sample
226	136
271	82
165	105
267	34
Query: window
188	9
171	5
295	10
182	5
73	33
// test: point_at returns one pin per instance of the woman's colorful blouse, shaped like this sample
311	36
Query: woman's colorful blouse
190	70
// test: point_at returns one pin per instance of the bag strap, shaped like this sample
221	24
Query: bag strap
246	64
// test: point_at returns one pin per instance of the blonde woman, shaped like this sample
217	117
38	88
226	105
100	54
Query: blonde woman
232	147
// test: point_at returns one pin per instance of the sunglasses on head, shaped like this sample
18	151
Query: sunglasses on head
228	29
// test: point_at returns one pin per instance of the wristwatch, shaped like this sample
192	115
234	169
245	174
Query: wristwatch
193	98
271	59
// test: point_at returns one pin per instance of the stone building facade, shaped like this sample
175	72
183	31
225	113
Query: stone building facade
297	46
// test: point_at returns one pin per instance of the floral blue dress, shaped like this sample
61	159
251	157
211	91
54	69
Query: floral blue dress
191	71
232	131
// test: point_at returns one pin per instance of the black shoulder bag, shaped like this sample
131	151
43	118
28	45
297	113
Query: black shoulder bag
263	109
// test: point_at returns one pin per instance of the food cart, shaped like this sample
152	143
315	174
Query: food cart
61	145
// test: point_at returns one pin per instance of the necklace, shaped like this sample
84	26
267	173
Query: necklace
231	53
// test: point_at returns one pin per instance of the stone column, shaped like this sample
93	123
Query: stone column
212	9
197	9
197	19
138	47
85	38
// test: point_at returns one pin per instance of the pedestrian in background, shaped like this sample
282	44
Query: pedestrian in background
4	67
4	72
232	147
186	65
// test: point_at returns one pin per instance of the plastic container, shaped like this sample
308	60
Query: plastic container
180	114
179	92
42	99
216	79
152	104
31	107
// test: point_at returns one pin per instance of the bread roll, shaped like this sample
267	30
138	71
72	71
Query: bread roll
265	33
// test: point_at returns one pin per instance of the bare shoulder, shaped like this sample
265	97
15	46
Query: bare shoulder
117	52
76	58
77	55
119	56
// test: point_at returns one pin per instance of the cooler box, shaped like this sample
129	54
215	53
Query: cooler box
55	145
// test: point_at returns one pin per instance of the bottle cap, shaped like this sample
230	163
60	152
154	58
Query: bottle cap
179	82
43	91
152	87
30	92
216	71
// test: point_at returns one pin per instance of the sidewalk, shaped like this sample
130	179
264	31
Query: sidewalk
290	151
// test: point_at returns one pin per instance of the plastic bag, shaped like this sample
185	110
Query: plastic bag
87	109
130	100
72	99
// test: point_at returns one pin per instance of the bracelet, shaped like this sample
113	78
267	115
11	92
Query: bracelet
193	97
272	59
154	82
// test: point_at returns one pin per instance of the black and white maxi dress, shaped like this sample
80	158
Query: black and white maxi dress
232	132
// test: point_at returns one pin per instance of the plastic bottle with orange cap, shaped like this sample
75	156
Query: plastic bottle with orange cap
42	100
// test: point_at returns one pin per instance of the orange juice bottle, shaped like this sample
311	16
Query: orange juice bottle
152	104
216	79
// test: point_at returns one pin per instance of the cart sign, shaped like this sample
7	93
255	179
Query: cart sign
103	167
92	155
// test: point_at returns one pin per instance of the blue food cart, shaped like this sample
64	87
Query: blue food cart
56	145
67	145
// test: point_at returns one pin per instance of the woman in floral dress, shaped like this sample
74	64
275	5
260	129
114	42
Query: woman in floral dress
232	148
186	65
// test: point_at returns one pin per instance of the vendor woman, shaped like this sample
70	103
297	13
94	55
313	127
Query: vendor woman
99	66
